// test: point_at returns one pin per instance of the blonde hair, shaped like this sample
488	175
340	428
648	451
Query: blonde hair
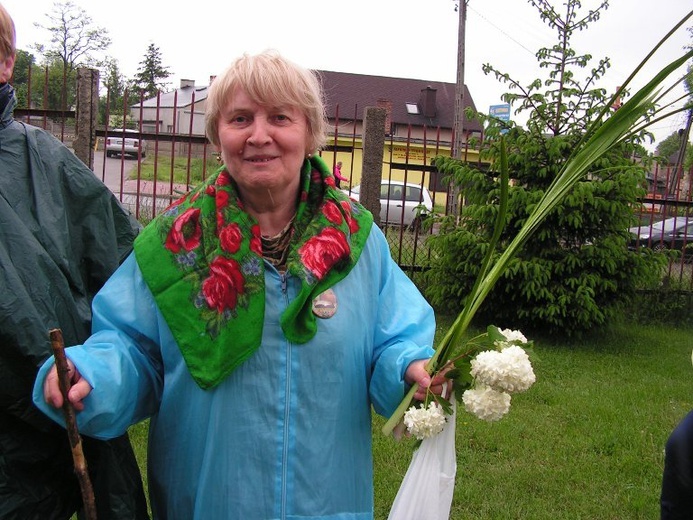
269	80
8	37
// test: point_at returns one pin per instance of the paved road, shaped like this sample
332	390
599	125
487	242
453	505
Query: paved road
143	198
115	170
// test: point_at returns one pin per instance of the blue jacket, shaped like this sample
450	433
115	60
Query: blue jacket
288	434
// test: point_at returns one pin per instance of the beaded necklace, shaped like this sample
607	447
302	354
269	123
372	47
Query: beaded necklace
276	249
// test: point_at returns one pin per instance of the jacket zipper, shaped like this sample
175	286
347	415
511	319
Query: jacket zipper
287	407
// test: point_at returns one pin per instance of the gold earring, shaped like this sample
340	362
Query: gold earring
217	156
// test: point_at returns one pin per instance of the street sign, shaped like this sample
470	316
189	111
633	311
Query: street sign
501	112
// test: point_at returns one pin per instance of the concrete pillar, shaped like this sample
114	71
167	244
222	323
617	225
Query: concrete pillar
86	111
372	167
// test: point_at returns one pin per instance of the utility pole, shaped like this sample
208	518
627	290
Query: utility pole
453	194
459	87
675	179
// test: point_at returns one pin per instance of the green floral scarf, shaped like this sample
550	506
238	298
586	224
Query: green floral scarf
202	261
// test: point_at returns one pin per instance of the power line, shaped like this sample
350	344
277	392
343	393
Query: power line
500	30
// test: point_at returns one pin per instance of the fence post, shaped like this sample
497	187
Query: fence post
372	167
86	110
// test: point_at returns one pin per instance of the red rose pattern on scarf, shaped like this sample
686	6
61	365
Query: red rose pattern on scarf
186	232
322	252
224	284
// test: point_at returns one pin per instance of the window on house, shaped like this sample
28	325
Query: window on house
412	108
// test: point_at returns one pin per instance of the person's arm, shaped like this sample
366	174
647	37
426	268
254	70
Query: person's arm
403	334
118	371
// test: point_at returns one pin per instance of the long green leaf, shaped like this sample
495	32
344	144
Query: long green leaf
598	140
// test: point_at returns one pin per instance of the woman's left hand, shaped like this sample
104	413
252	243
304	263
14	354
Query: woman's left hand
416	373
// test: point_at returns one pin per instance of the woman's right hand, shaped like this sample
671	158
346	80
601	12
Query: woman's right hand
79	388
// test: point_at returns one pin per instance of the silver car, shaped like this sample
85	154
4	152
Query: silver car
670	233
125	142
400	203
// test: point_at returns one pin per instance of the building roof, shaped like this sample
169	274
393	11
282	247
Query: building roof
358	90
434	101
180	97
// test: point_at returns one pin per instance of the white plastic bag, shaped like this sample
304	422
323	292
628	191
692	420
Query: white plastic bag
427	489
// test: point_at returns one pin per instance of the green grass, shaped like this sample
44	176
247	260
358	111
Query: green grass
185	171
585	442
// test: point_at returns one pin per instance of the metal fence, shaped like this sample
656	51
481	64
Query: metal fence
174	161
665	223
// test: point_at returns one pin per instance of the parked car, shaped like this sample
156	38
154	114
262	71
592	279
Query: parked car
670	233
132	146
400	203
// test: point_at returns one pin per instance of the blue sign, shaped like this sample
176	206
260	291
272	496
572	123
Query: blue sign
501	112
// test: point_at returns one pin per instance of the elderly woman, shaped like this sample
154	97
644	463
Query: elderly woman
258	320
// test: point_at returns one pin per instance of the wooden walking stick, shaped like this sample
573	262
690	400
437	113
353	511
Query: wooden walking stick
78	457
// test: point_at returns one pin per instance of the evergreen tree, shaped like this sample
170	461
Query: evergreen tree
562	102
151	73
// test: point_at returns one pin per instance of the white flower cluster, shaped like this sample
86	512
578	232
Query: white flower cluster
512	336
486	403
508	370
497	374
425	422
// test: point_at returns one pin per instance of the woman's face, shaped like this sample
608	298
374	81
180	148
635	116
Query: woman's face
262	147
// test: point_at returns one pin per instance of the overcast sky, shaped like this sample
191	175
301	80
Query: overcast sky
398	38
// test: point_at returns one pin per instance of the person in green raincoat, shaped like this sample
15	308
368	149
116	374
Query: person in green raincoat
62	234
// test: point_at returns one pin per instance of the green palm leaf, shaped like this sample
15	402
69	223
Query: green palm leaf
639	112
